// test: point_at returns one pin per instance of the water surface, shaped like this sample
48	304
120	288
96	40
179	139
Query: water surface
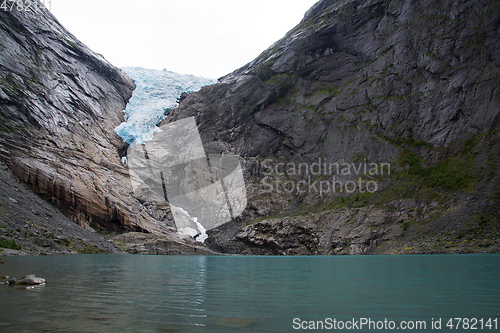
125	293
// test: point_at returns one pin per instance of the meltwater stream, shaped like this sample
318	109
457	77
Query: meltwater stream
125	293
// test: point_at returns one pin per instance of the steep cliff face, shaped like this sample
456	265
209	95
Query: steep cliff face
412	83
59	105
358	70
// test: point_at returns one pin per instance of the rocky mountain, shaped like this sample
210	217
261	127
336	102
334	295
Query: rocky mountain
370	128
59	105
410	84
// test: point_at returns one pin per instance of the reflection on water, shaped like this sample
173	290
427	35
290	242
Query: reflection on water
124	293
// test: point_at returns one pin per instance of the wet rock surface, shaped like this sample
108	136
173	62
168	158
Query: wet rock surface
30	280
27	282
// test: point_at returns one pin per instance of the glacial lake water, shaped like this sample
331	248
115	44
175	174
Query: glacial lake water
125	293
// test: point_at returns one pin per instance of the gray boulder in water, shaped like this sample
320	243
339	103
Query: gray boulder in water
30	280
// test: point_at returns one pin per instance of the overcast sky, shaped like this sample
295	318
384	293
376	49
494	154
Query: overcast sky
202	37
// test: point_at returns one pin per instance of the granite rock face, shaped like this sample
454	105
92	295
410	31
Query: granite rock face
353	72
59	105
402	82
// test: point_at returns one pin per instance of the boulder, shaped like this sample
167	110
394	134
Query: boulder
30	280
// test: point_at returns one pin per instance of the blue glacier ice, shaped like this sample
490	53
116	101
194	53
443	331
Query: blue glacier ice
155	96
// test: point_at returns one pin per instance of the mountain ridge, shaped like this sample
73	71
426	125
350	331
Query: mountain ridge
406	83
59	104
414	84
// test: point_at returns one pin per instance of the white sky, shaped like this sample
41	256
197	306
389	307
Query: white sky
202	37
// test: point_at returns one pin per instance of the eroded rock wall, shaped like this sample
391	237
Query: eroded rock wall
59	105
412	83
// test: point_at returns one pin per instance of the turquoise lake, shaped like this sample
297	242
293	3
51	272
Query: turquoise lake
125	293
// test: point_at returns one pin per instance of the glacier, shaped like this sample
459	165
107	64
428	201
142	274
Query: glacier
155	96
